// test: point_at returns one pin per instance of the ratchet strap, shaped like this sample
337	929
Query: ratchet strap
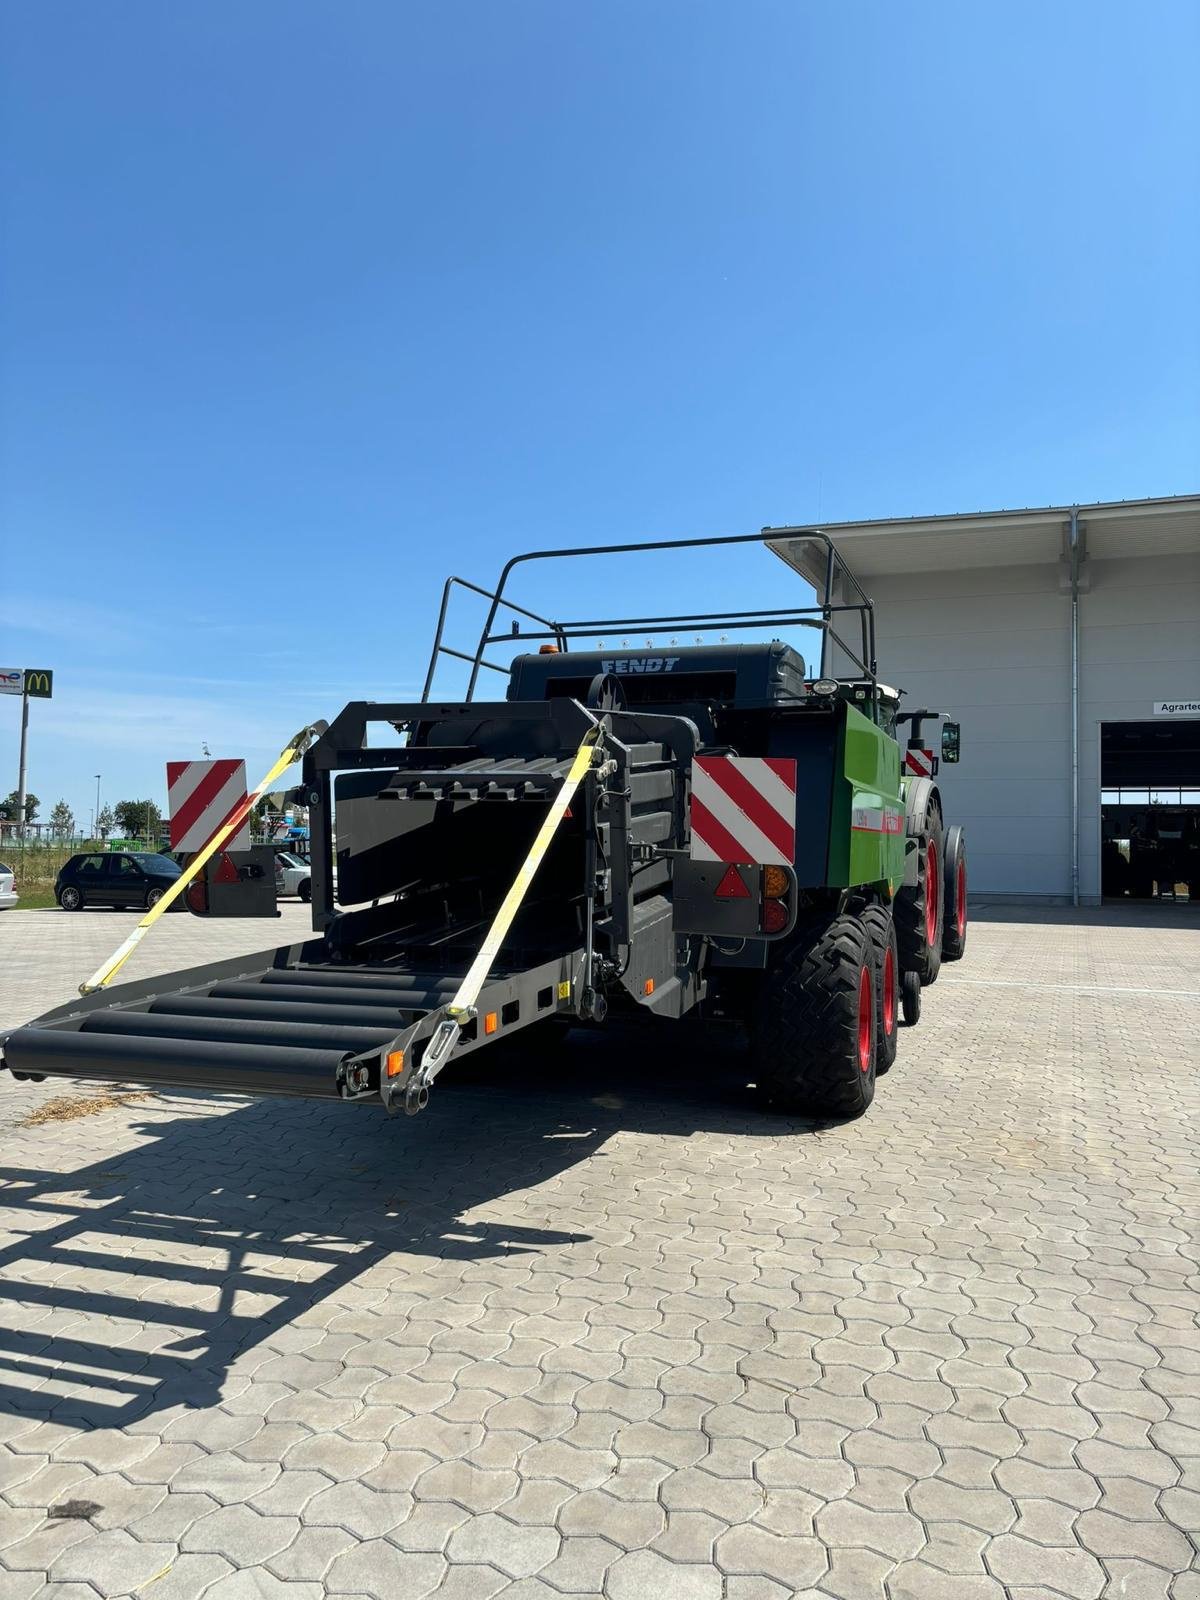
462	1007
287	757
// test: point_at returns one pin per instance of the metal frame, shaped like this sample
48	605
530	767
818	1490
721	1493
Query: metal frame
560	633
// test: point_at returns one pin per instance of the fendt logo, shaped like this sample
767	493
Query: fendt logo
641	664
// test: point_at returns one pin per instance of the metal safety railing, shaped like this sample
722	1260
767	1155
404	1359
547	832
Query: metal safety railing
820	616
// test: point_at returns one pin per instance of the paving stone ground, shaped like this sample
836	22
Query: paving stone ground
601	1327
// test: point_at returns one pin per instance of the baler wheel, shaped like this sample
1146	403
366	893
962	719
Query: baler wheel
882	930
920	915
813	1040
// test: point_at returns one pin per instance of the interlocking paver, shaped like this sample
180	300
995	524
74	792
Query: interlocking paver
643	1573
582	1565
514	1549
378	1568
1153	1541
947	1352
1068	1569
113	1562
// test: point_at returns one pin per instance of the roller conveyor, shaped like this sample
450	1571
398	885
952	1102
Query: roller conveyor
284	1026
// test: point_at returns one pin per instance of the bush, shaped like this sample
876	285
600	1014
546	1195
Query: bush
35	864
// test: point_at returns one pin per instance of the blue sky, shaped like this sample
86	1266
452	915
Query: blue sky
306	305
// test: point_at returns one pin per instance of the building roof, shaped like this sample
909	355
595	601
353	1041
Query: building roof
1166	526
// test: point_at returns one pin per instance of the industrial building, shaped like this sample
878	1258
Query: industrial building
1067	642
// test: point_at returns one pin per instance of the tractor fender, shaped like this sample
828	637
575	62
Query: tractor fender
918	792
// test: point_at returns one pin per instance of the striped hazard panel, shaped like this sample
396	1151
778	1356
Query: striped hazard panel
919	762
201	796
744	810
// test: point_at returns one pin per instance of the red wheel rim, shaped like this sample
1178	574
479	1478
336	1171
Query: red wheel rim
960	898
866	1003
931	895
889	993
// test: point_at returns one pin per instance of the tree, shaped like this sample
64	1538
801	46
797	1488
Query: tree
8	808
138	819
105	821
62	820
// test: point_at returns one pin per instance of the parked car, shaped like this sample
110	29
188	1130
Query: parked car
8	888
114	879
297	875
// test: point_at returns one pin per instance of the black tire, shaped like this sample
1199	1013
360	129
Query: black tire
881	927
910	999
70	898
305	890
918	923
954	878
153	897
813	1039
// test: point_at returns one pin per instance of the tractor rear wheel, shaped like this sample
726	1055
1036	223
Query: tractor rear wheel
919	907
881	927
813	1037
954	933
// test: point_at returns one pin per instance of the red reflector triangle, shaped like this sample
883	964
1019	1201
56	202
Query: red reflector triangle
226	872
732	886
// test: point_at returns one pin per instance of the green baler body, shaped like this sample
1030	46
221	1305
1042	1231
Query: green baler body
866	837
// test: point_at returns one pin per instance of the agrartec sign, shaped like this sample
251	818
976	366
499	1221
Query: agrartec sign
1177	708
12	680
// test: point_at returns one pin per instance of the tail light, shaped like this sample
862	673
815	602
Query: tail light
775	883
776	899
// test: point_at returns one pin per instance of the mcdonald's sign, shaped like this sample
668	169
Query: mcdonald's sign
39	683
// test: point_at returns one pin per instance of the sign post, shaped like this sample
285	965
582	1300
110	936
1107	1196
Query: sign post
31	683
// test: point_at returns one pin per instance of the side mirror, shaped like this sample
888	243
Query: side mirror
950	737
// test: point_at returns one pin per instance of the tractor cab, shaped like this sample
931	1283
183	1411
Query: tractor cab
878	702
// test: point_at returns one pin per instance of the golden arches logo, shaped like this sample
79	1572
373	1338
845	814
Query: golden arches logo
39	682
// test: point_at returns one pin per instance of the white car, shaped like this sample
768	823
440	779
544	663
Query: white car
297	875
8	889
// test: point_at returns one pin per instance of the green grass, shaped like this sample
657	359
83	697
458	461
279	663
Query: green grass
37	899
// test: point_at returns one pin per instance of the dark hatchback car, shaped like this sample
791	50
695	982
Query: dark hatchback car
115	879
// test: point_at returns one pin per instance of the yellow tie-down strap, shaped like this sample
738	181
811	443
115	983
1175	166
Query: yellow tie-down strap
103	975
468	990
461	1008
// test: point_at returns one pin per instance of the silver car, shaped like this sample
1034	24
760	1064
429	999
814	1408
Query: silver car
8	889
297	875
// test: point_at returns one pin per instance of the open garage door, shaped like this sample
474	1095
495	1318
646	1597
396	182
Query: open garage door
1150	810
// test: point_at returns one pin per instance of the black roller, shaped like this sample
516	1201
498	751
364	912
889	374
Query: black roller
287	995
182	1063
231	1030
264	1011
353	978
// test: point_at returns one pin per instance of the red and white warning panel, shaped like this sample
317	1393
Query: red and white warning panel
744	810
201	796
919	761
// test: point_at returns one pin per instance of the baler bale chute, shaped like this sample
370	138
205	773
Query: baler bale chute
627	832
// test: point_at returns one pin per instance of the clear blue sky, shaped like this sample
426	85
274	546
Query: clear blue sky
306	304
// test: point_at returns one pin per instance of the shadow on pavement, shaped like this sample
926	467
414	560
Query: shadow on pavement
132	1284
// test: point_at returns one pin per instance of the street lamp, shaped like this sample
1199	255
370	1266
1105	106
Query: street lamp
96	818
